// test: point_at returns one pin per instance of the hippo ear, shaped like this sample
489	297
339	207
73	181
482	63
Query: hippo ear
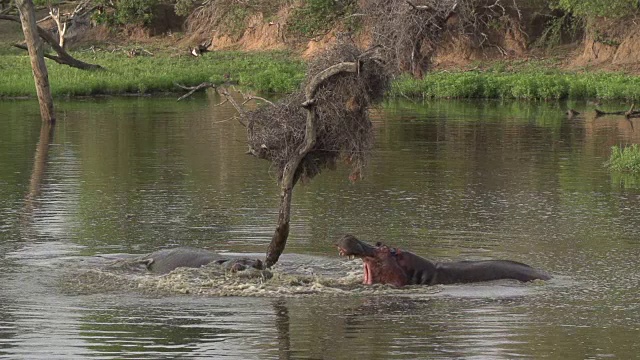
147	263
378	244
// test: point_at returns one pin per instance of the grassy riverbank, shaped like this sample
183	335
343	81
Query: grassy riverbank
265	72
281	72
530	84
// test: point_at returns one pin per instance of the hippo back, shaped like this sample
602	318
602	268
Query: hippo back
165	261
418	270
475	271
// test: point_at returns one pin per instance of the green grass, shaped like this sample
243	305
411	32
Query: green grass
625	159
271	72
528	84
282	72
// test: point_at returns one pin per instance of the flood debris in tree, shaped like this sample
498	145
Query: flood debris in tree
311	129
341	104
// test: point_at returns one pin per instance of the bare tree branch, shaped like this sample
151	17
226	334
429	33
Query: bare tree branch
224	92
252	97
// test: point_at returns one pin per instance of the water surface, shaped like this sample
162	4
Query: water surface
447	180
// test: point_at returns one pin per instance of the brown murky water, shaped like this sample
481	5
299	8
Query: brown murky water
448	180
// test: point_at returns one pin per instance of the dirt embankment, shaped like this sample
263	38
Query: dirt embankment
508	35
610	44
467	36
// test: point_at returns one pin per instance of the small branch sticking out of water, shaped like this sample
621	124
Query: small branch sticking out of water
204	85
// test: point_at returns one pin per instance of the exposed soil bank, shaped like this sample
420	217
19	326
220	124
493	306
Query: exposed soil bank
469	37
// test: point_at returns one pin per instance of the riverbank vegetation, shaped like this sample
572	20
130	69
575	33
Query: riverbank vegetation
625	159
533	84
282	72
278	72
429	60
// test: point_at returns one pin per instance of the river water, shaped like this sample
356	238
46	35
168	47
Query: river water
448	180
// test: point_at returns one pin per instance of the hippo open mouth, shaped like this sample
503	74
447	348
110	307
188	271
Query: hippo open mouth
352	248
385	265
378	261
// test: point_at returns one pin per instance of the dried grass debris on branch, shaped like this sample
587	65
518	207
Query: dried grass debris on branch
342	126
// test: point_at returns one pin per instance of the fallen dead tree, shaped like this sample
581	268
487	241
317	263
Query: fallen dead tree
628	113
63	57
312	129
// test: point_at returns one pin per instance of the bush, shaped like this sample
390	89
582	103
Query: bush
126	12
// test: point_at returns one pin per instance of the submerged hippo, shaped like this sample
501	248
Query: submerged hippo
165	261
385	265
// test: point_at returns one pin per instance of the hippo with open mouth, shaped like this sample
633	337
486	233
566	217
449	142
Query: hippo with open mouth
165	261
385	265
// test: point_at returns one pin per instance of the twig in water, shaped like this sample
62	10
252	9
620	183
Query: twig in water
204	85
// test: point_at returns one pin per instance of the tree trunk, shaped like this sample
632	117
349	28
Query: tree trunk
289	178
34	45
279	239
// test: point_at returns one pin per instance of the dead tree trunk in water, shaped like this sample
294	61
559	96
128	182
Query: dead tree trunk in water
36	54
291	171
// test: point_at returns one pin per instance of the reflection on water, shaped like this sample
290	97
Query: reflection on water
448	180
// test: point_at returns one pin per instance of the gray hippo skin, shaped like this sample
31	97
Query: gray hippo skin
385	265
165	261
